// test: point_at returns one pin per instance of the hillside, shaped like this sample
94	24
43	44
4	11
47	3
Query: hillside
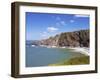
72	39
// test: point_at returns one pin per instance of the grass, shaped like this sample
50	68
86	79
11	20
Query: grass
73	61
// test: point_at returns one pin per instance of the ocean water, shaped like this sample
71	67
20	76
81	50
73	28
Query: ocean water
42	56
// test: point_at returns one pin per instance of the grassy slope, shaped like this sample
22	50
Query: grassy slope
73	61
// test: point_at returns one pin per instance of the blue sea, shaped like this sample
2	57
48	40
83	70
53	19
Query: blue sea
42	56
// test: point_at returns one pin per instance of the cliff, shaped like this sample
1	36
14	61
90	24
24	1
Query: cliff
72	39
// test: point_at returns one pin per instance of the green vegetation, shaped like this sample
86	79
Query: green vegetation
73	61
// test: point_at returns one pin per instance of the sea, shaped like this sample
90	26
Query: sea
43	56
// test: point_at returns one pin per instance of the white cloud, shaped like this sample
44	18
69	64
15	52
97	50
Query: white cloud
81	15
71	21
63	22
43	34
52	29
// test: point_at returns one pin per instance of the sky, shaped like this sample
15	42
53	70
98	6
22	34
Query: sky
43	25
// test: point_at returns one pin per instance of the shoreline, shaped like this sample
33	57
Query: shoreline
83	50
76	60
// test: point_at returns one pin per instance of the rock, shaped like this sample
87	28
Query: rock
72	39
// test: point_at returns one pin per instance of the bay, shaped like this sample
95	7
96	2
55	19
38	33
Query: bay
42	56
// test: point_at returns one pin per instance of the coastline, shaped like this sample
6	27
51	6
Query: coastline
76	60
82	50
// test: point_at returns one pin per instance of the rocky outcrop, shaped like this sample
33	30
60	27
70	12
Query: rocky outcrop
52	41
72	39
84	38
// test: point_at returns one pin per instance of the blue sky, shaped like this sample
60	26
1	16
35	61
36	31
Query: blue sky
43	25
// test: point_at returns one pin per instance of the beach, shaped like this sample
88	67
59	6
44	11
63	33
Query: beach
83	50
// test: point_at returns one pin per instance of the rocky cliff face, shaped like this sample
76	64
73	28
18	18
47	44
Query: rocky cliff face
72	39
52	41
